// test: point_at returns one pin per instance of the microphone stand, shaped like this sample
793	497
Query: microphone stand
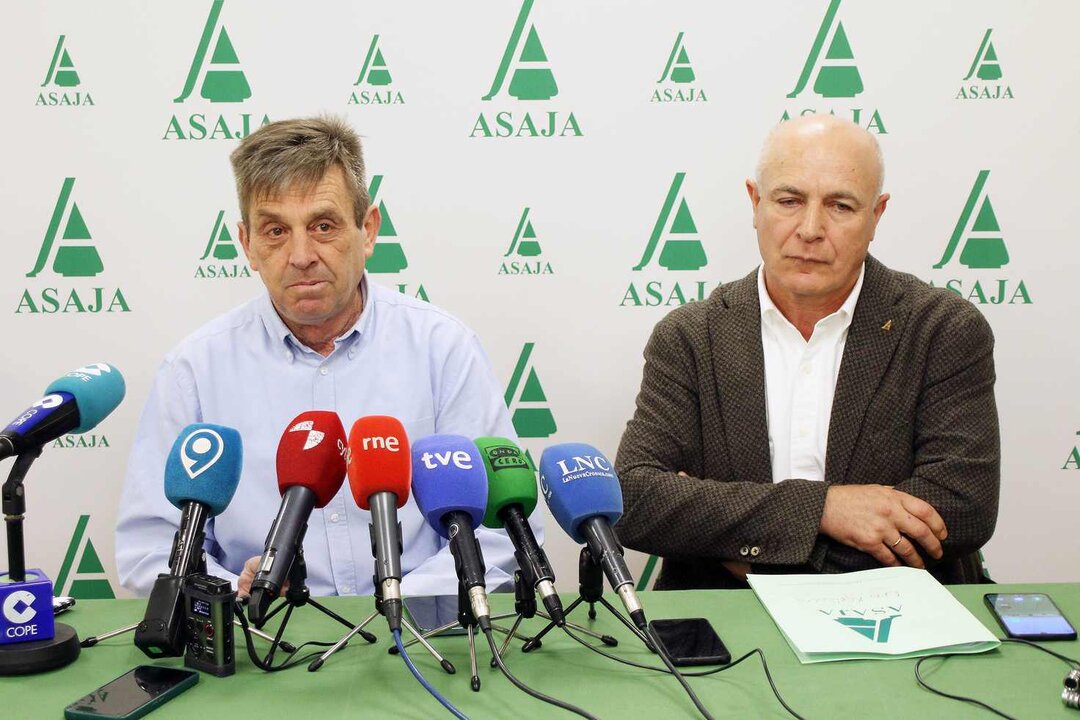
36	655
590	590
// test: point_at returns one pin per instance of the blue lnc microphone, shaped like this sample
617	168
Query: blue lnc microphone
201	475
450	485
584	496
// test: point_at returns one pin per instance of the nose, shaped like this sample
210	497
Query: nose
302	251
811	226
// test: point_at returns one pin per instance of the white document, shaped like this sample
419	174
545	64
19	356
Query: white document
888	613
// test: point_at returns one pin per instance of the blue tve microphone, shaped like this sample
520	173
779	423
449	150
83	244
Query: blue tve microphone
201	475
450	485
74	403
584	496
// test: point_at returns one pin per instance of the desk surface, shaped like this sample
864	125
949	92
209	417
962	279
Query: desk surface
365	681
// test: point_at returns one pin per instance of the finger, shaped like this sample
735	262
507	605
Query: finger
883	554
682	474
925	512
906	551
921	533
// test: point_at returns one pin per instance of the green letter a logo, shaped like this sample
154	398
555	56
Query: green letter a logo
374	71
223	80
532	79
388	256
985	66
837	75
682	250
678	68
88	581
71	260
526	400
221	242
524	241
61	69
984	247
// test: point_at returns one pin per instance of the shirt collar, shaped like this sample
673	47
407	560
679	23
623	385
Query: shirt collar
770	311
280	333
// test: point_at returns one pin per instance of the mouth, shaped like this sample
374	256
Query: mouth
306	284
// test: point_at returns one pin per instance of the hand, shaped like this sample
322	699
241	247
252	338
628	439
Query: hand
243	583
871	518
738	568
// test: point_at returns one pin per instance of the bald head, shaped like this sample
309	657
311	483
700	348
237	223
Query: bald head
827	136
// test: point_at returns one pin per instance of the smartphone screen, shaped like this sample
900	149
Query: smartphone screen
1031	616
429	612
134	693
691	641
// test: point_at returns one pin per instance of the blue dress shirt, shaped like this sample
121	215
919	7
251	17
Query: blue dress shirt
246	370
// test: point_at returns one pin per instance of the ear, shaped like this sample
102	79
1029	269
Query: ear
879	207
755	197
370	230
245	243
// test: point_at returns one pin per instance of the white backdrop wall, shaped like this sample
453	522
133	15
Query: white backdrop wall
133	107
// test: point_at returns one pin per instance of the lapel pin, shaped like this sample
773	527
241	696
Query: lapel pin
887	326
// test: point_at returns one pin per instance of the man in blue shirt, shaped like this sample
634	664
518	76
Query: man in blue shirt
321	338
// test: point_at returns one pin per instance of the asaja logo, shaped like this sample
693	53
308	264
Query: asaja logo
62	74
82	575
1072	462
676	83
876	630
983	248
984	74
527	75
86	440
72	255
526	400
221	258
389	256
375	81
523	257
216	71
831	67
675	235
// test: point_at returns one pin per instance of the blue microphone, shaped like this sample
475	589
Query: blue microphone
584	495
74	403
450	485
201	475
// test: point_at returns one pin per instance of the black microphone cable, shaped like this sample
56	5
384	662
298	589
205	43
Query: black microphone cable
267	663
700	673
422	680
525	688
659	647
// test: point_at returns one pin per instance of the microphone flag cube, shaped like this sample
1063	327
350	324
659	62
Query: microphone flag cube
26	612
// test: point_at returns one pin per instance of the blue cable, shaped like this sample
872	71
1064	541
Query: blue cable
420	678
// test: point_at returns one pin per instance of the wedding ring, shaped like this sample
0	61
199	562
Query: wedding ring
897	541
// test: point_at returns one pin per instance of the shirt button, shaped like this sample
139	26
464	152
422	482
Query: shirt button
352	354
334	518
755	551
323	370
345	589
744	551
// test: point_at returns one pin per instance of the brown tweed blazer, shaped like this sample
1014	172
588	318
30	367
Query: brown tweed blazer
914	408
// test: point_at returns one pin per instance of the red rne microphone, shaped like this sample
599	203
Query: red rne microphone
310	469
380	471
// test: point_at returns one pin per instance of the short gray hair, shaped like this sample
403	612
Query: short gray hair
283	153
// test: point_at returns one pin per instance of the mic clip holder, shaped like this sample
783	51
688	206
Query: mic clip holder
591	591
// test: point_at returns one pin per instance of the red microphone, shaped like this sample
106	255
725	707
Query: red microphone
310	470
380	470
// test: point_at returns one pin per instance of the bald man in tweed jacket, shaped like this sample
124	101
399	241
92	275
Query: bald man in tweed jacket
910	472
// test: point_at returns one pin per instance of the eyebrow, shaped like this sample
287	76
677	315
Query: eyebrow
792	190
262	215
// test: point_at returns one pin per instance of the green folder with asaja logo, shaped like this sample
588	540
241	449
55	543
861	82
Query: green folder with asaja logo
883	614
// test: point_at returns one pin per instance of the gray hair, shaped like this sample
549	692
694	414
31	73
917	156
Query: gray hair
283	153
767	145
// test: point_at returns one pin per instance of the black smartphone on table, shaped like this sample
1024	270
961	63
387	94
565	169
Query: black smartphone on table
133	694
1029	616
691	641
428	612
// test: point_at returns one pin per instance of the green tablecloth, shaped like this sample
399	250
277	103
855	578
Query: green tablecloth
363	681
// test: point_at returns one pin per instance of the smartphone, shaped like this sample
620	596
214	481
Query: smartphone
428	612
62	604
691	641
133	694
1030	616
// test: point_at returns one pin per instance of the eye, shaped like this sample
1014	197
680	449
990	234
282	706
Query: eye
844	207
276	231
788	202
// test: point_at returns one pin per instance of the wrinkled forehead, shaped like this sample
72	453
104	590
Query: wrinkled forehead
832	161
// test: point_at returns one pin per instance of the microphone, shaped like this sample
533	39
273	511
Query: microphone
76	402
201	475
451	489
512	499
310	469
584	496
379	471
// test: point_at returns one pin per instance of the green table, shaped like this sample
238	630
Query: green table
363	681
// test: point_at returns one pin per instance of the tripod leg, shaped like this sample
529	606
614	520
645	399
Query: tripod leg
330	613
446	664
592	610
472	659
509	636
318	662
606	639
535	642
625	622
427	635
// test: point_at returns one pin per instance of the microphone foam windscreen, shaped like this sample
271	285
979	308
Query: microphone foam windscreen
311	454
447	475
510	476
578	483
98	388
379	459
204	466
